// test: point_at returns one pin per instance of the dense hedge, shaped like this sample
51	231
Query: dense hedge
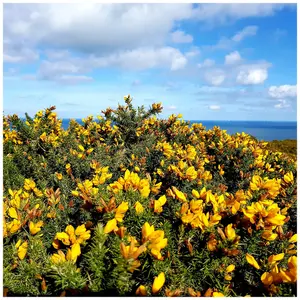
129	204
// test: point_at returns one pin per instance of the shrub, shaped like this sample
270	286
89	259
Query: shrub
128	204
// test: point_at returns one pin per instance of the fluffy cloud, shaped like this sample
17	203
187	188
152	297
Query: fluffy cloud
215	77
18	53
214	107
194	51
283	91
247	31
232	58
206	63
93	28
137	59
115	26
222	13
181	37
252	76
282	104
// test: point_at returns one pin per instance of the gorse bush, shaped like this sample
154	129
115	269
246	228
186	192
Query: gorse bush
128	204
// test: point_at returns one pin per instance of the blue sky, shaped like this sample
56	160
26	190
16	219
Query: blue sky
206	61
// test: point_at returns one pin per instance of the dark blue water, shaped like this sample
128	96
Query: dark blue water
262	130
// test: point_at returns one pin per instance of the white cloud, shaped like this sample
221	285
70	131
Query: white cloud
252	76
283	91
222	13
232	58
18	53
214	107
93	28
215	77
194	51
247	31
144	58
180	36
282	104
137	59
206	63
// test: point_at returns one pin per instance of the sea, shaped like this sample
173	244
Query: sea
262	130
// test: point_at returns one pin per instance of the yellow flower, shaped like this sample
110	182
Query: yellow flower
293	239
179	195
81	148
13	213
158	204
276	220
230	268
230	232
251	260
35	228
288	177
217	294
43	136
82	234
14	226
191	173
22	250
269	235
228	277
58	257
147	230
158	283
59	176
273	258
74	252
29	184
64	237
110	226
145	191
120	211
266	278
141	291
138	207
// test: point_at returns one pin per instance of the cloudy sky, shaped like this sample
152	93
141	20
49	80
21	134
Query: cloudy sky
207	61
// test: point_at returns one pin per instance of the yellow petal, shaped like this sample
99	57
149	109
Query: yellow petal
23	250
266	278
18	244
58	257
217	294
230	233
75	250
158	283
293	239
13	213
64	237
138	207
251	260
80	230
141	291
147	230
230	268
110	226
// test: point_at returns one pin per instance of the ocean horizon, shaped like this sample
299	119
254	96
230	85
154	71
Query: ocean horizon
262	130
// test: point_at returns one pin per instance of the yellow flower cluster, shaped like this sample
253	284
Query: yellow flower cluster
70	237
131	180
